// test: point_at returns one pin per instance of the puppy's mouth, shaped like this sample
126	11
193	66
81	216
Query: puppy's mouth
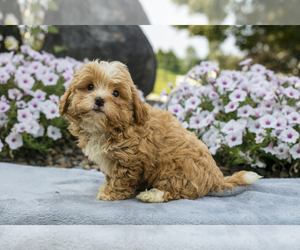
98	110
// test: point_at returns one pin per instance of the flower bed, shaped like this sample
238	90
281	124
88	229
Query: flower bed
248	118
31	84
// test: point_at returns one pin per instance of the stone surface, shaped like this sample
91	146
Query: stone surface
97	12
127	44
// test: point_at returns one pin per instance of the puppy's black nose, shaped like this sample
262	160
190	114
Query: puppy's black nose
99	101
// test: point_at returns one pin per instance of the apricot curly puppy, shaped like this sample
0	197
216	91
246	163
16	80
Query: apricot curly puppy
135	145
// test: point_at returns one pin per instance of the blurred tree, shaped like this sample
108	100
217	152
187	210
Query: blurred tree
245	11
10	7
276	47
168	60
191	58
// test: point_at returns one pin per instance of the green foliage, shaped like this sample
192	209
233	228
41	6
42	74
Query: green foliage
273	12
163	77
276	47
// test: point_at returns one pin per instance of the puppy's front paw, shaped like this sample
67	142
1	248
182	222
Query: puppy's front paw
152	196
103	196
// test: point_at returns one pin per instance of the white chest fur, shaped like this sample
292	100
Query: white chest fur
95	153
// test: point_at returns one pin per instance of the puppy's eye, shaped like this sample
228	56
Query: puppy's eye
90	87
115	93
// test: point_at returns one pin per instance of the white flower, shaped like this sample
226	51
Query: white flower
294	118
207	121
260	135
25	81
39	94
295	151
246	157
51	110
238	95
1	145
21	104
40	132
33	127
53	132
234	139
212	95
14	140
269	149
50	79
276	133
231	106
282	151
245	111
15	94
281	123
225	83
21	127
4	107
289	135
34	104
246	62
232	126
176	109
218	104
54	98
268	121
195	122
4	77
291	92
258	163
258	68
193	102
3	119
24	115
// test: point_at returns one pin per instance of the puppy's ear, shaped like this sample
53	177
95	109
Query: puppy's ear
140	109
64	102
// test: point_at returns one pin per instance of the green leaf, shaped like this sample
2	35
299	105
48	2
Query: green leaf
35	30
58	49
53	6
52	29
35	7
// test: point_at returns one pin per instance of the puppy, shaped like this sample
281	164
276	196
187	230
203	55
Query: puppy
135	145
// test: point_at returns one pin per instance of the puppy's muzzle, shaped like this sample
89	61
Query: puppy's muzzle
99	102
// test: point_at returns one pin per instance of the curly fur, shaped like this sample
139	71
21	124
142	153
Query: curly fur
137	146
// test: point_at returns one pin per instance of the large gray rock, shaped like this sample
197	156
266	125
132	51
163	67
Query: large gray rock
127	44
97	12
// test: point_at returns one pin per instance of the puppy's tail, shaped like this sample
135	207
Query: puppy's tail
237	179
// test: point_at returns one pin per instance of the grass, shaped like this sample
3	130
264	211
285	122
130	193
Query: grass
163	77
